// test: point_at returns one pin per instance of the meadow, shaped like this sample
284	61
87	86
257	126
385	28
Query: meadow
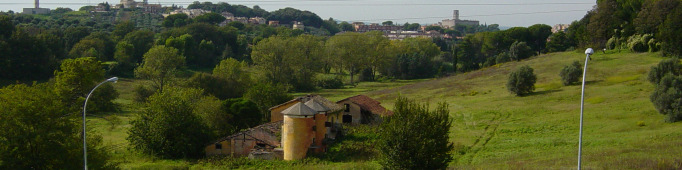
492	128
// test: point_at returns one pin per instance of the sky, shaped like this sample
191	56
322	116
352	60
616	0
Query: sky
508	13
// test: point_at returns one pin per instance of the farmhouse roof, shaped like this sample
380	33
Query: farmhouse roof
333	107
299	109
273	128
316	106
369	104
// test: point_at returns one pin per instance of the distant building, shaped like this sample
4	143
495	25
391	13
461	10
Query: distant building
451	23
361	109
262	138
273	23
399	35
560	27
37	9
128	4
257	20
298	25
377	27
191	13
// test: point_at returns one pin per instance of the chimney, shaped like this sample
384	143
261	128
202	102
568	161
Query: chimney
37	4
455	14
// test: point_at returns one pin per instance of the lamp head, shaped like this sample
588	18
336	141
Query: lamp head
589	51
113	79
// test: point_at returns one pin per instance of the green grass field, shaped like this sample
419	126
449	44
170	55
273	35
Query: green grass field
496	129
492	127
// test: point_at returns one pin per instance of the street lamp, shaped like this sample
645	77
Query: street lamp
85	105
588	52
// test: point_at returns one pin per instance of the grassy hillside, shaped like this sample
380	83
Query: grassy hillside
495	129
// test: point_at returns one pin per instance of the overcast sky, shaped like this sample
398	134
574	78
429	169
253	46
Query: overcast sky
503	12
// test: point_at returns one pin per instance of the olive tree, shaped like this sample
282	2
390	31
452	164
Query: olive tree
667	96
571	73
521	81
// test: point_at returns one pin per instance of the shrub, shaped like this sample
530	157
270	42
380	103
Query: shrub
639	43
668	66
330	82
521	81
141	93
422	143
667	96
571	73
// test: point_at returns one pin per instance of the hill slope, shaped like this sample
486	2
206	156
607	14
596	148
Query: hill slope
495	129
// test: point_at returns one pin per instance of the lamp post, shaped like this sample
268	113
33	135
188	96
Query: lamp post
588	52
85	105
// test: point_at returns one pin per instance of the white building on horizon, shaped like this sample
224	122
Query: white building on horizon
451	23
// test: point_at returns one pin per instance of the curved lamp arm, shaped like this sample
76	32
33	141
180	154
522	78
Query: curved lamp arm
85	105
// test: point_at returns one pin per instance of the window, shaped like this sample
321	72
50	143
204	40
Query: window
347	106
218	146
314	128
347	119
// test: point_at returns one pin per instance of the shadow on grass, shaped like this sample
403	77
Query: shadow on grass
541	93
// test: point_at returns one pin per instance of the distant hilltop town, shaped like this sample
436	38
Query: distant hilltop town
393	32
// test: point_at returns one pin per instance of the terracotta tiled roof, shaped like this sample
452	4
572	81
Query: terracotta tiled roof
369	104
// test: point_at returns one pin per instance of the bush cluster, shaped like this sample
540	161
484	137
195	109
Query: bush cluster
330	82
668	92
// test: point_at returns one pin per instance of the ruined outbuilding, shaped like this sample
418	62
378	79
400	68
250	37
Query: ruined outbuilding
361	109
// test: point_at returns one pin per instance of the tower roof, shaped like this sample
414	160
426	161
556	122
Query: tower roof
299	109
316	106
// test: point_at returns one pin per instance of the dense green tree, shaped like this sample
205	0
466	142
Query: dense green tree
352	49
82	48
76	78
176	20
6	27
571	73
236	74
292	61
653	14
669	33
40	132
345	26
73	35
210	18
142	41
25	57
160	65
665	67
558	42
266	95
521	81
122	29
289	15
387	23
168	126
244	113
124	58
667	96
519	50
539	34
213	113
423	143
